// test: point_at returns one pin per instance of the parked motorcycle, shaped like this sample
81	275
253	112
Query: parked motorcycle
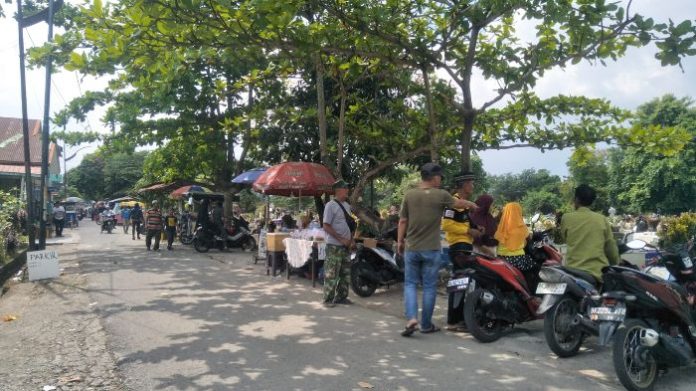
651	317
568	297
108	221
498	295
206	238
373	267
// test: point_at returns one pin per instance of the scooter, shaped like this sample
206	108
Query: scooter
372	267
540	248
108	221
568	296
652	320
498	295
206	237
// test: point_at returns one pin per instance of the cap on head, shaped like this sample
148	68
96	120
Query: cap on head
340	184
462	177
155	202
430	170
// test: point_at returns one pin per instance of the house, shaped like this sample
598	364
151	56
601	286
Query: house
12	156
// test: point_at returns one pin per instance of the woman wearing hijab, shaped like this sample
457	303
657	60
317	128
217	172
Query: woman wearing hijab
512	236
485	222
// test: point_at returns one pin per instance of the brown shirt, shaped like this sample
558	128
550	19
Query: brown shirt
423	208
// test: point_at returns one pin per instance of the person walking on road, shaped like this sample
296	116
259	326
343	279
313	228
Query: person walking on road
170	224
419	241
153	223
339	227
126	213
59	218
136	217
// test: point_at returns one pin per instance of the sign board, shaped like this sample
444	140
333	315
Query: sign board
42	264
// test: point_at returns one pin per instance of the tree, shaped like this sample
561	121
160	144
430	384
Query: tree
642	181
464	38
593	171
514	187
107	175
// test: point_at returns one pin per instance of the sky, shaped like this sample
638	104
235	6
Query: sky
633	80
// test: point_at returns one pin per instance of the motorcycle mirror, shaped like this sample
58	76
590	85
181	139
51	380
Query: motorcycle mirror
636	244
536	218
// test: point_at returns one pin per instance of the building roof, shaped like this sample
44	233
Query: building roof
12	142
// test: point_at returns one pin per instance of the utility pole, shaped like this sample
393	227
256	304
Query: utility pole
44	134
25	131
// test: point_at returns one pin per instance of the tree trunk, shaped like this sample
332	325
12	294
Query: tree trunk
341	130
321	111
467	132
434	150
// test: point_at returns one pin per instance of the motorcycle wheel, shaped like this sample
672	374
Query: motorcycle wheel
480	326
202	246
635	373
109	228
249	244
186	239
360	285
562	339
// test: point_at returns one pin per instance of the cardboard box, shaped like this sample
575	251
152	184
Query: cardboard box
369	242
274	241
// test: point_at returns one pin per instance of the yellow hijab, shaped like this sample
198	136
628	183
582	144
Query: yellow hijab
512	232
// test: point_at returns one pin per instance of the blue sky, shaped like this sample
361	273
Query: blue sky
631	81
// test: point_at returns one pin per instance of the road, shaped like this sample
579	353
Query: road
179	320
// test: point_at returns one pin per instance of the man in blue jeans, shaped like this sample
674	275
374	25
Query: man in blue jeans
419	237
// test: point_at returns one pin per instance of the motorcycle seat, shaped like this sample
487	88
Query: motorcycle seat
581	274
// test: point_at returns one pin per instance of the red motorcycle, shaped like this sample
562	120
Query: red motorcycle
498	294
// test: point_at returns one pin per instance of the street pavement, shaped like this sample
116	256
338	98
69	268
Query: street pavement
180	320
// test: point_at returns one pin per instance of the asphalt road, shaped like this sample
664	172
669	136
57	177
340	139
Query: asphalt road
179	320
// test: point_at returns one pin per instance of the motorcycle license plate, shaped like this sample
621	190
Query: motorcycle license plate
457	284
613	314
551	288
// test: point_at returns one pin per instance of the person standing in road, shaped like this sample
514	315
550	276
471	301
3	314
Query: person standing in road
136	216
126	213
339	227
59	218
170	224
216	216
591	244
419	241
153	223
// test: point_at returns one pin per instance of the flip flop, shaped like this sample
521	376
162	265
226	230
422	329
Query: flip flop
409	330
433	329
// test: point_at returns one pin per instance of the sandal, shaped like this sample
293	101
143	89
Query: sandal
409	330
432	329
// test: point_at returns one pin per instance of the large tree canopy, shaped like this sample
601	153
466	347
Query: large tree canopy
353	84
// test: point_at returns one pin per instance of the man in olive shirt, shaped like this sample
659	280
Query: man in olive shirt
419	225
591	244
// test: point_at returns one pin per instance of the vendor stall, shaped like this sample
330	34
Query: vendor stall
295	179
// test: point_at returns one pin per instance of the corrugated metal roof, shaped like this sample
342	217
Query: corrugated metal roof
17	169
12	141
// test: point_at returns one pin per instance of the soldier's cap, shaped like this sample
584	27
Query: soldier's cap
463	176
431	169
340	184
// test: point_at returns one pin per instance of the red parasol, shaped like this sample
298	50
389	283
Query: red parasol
295	179
178	193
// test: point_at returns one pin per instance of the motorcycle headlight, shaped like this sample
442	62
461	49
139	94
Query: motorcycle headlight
550	274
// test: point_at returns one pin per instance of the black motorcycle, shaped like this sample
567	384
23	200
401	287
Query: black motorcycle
568	297
376	266
651	317
206	237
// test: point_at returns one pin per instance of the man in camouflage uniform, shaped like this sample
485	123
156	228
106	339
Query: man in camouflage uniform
339	228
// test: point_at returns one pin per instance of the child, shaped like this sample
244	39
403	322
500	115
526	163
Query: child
170	223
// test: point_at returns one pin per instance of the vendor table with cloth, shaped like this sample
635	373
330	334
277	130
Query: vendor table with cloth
299	251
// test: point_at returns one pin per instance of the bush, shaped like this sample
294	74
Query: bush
10	224
678	230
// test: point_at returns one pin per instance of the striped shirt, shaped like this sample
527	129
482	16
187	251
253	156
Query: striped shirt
153	219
